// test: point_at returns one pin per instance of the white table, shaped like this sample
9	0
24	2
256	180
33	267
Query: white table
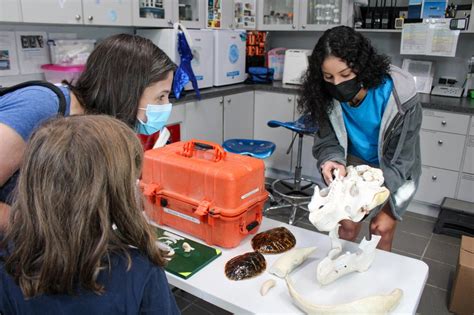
388	271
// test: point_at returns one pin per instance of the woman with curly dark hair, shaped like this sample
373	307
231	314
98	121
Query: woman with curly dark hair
368	113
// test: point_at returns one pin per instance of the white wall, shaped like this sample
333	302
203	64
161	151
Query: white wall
83	32
389	44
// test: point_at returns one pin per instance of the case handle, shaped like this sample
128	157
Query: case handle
190	146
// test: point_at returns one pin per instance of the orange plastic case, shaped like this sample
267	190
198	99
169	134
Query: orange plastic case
198	188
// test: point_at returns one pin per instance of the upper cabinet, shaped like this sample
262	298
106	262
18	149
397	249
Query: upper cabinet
52	11
323	14
153	13
10	11
245	14
191	13
89	12
107	12
279	15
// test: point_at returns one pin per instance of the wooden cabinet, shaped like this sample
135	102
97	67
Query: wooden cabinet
274	106
10	11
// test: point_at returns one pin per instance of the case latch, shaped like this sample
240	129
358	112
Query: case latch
203	208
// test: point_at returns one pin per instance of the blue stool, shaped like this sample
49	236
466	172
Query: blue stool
294	192
256	148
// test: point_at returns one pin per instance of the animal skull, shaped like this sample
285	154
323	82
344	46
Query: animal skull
350	197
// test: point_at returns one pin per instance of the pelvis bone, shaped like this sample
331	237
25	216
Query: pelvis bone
350	197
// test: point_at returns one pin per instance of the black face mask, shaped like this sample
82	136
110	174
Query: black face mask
345	91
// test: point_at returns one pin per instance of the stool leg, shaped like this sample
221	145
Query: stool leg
293	214
298	163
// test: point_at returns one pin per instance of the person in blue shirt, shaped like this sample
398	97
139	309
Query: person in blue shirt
126	76
77	241
368	112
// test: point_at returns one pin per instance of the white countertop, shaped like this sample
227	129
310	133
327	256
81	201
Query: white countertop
388	271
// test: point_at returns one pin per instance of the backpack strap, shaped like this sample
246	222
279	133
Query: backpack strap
52	87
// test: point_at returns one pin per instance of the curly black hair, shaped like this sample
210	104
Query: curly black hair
353	48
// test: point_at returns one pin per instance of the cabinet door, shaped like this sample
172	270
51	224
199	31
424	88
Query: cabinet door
441	149
203	120
245	14
466	188
191	13
468	166
157	13
435	184
52	11
277	15
323	15
274	106
220	14
238	116
10	11
107	12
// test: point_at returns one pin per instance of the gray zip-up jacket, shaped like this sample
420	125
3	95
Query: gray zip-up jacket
398	144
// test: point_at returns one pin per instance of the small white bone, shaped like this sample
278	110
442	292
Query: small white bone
187	248
266	286
290	260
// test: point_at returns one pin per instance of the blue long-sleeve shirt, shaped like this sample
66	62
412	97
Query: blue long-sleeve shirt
141	290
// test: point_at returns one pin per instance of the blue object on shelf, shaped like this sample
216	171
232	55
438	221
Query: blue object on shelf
304	125
260	149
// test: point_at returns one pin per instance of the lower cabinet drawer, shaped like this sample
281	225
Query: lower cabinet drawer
435	184
441	149
466	189
469	156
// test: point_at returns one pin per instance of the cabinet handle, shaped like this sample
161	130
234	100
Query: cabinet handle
228	101
443	123
302	26
293	26
170	23
78	17
434	177
290	99
231	25
221	101
440	142
90	18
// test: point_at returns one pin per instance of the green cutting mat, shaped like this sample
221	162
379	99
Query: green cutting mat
184	264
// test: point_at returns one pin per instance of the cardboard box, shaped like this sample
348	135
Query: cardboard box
462	293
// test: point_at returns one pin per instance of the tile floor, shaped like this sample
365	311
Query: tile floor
414	238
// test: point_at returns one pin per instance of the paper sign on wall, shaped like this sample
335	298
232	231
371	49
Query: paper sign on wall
433	38
33	51
8	54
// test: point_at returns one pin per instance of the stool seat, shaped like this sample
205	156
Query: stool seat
260	149
304	125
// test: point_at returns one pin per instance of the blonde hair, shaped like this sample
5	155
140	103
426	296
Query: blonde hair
78	179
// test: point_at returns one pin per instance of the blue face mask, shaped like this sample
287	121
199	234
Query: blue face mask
157	116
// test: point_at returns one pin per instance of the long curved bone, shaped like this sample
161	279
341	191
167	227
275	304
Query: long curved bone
330	269
376	304
290	260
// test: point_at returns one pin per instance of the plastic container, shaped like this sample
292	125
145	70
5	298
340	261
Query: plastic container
276	61
67	52
58	73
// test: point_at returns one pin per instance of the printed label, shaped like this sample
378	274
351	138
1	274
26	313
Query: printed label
250	193
233	74
181	215
199	77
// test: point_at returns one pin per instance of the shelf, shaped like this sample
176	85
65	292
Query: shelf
370	30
